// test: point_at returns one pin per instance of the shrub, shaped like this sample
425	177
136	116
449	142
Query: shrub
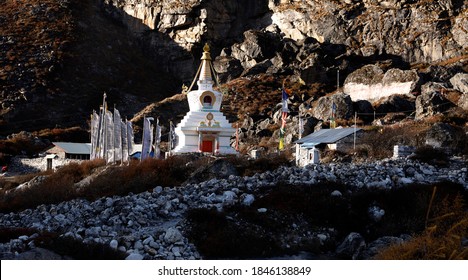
312	207
431	155
56	187
379	141
217	237
247	167
441	239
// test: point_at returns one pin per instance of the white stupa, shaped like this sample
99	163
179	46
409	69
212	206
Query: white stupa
204	128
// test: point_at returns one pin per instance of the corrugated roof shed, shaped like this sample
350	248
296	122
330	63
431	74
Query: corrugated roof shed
74	148
327	136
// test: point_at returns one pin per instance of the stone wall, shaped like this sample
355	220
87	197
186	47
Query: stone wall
26	165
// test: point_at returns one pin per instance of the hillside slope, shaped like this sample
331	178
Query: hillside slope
58	57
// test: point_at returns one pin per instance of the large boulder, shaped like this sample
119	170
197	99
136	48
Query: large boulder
364	110
308	125
442	135
351	247
38	254
366	75
371	83
220	169
460	30
323	108
463	102
460	82
256	47
431	101
394	104
227	67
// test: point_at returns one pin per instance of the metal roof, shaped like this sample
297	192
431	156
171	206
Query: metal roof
327	136
74	148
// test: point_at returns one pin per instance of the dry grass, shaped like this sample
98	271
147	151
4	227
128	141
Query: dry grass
12	182
55	188
431	155
140	176
136	177
261	235
71	134
257	96
378	142
441	239
20	144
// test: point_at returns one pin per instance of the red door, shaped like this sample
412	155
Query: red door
207	146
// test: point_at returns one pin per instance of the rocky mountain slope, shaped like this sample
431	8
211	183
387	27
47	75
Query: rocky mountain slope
140	51
273	214
255	32
57	59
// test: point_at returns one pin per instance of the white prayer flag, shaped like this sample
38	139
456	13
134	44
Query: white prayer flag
124	141
117	136
157	140
109	148
130	138
147	138
95	121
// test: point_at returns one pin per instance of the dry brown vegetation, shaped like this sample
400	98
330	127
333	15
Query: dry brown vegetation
20	144
442	237
378	142
30	144
264	235
47	58
64	184
257	96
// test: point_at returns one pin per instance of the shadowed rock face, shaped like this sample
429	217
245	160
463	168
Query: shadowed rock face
431	101
141	51
415	31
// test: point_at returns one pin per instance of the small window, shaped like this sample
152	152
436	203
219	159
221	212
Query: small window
207	100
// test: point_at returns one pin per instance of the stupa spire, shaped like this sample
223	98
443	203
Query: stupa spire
205	73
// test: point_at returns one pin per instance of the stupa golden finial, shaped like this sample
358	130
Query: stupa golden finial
206	52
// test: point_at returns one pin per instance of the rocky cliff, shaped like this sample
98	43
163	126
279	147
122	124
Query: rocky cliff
141	51
59	56
270	34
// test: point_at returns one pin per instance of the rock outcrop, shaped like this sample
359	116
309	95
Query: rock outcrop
414	31
460	82
442	135
148	45
431	101
371	83
343	103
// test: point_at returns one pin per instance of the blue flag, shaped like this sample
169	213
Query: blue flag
285	101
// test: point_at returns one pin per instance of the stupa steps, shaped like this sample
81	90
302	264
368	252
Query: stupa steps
200	116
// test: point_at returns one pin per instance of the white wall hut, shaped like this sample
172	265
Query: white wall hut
67	150
341	139
204	128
